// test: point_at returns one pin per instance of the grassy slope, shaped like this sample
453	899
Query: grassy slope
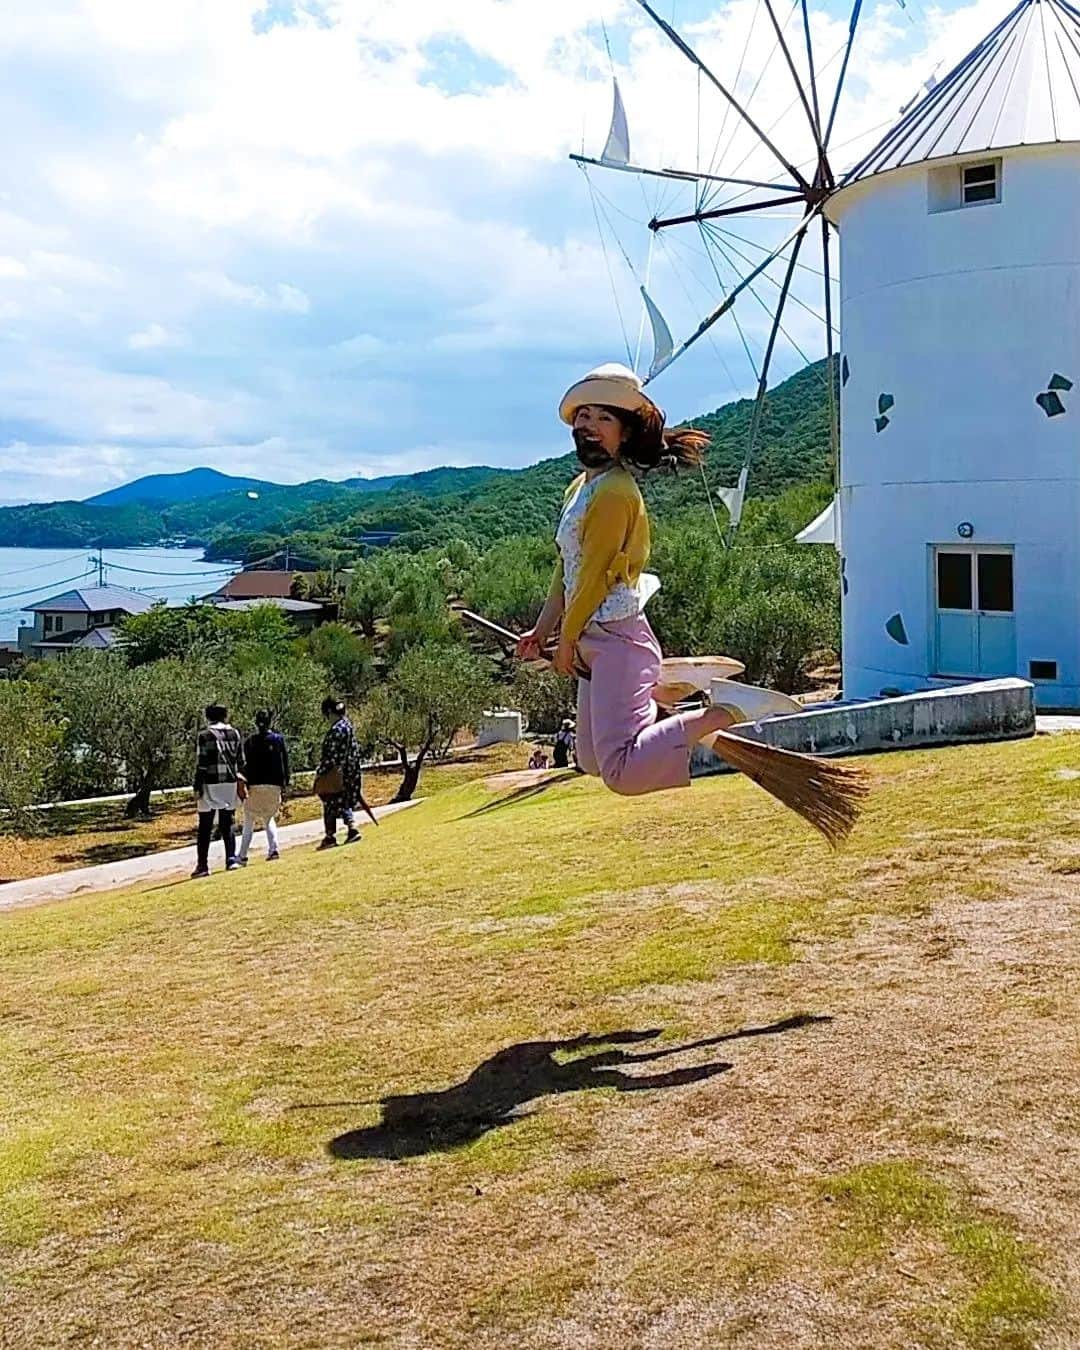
83	836
174	1062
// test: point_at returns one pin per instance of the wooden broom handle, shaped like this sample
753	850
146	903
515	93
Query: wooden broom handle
489	626
505	634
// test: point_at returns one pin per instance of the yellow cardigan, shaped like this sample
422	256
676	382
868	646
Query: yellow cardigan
614	547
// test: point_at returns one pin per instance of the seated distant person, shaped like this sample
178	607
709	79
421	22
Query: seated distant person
539	759
267	758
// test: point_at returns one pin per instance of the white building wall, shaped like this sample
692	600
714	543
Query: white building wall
961	317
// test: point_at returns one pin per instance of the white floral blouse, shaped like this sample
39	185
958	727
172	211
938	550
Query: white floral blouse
622	601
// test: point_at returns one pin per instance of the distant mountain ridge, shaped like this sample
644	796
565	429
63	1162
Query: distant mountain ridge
190	485
436	506
197	484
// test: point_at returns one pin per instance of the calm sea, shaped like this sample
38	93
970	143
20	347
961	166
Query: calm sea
30	575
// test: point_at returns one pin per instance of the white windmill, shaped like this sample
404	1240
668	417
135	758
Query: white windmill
957	514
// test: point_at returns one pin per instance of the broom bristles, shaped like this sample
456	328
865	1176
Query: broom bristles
827	795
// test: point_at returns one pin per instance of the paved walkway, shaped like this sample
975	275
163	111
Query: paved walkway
1056	724
175	862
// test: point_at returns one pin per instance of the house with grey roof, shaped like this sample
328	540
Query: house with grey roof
78	620
304	615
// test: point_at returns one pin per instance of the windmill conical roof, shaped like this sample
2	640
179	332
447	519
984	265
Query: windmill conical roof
1019	86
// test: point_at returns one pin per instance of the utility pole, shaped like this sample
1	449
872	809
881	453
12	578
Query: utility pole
99	563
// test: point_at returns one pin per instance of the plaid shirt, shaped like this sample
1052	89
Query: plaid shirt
220	757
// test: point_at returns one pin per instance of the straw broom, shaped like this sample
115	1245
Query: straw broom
827	795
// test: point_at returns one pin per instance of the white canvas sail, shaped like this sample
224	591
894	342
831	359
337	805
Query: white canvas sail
733	497
617	149
663	345
822	529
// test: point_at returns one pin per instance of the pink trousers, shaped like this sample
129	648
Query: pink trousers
618	736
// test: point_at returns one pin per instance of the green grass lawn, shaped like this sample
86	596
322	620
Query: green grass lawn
195	1146
86	835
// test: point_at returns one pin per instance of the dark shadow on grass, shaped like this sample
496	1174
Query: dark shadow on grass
523	793
431	1122
103	818
120	850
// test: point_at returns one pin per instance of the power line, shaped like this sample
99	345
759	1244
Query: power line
165	592
144	572
58	562
149	553
48	586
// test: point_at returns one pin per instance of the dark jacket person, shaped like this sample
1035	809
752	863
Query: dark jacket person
267	758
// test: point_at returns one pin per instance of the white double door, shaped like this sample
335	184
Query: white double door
975	618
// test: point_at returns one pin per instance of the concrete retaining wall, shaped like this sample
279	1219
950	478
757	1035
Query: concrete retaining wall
990	710
503	725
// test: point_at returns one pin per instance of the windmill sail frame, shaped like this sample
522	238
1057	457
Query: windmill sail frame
794	188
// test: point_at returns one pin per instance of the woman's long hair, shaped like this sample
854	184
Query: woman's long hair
650	446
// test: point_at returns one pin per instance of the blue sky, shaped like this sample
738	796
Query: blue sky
321	239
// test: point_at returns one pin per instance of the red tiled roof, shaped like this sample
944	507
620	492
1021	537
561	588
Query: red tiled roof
256	585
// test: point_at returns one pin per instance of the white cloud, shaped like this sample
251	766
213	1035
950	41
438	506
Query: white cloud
291	299
69	269
360	348
356	230
281	296
153	335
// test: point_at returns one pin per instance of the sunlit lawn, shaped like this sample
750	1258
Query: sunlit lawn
190	1078
82	836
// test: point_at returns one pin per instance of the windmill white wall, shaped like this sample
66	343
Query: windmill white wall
961	317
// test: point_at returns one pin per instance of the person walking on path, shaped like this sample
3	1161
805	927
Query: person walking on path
564	745
338	780
267	773
219	771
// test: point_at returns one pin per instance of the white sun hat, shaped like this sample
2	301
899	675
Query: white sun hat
613	385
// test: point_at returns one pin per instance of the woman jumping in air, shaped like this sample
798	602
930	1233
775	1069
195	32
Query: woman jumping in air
600	588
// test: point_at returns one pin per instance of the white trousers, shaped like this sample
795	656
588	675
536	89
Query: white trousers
263	803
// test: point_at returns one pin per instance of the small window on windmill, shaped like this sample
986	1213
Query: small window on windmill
981	182
955	186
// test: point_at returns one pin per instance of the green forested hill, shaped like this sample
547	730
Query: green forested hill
793	447
76	525
477	504
164	488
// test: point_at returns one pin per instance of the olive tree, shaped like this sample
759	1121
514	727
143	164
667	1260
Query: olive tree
434	690
135	727
28	737
348	659
544	697
293	690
